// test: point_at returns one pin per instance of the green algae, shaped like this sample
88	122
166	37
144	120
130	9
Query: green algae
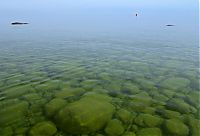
113	91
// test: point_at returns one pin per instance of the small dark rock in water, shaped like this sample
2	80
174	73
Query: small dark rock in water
18	23
170	25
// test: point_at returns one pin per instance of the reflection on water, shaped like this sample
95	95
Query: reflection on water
130	78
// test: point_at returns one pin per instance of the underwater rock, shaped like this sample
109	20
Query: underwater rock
69	92
14	113
175	83
43	129
114	128
168	93
129	134
180	106
51	85
147	120
142	99
194	125
176	127
149	132
84	116
6	131
125	116
130	88
169	114
18	91
53	106
97	96
193	98
89	84
32	97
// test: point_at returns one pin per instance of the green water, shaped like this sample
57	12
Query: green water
98	87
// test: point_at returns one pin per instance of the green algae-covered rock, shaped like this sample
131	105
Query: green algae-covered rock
193	98
148	120
125	116
97	96
130	88
149	132
53	106
32	97
175	83
168	93
129	134
84	116
6	131
43	129
114	128
89	84
194	125
180	106
169	114
141	99
13	114
18	91
50	86
176	127
69	92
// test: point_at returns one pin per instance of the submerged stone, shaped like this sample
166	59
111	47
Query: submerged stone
84	116
169	114
175	83
6	131
43	129
147	120
14	113
130	88
149	132
129	134
125	116
54	106
114	128
17	91
176	127
69	92
180	106
89	84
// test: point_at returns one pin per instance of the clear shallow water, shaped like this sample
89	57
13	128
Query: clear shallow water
100	73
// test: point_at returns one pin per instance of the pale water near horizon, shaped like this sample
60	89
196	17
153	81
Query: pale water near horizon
99	71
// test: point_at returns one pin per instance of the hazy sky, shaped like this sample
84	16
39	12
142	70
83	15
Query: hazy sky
56	4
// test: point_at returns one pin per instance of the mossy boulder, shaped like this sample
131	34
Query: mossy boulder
114	128
142	99
180	106
50	86
176	127
89	84
97	96
125	116
129	134
194	125
175	83
130	88
147	120
14	113
43	129
8	131
18	91
149	132
169	114
193	98
54	106
84	116
69	93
